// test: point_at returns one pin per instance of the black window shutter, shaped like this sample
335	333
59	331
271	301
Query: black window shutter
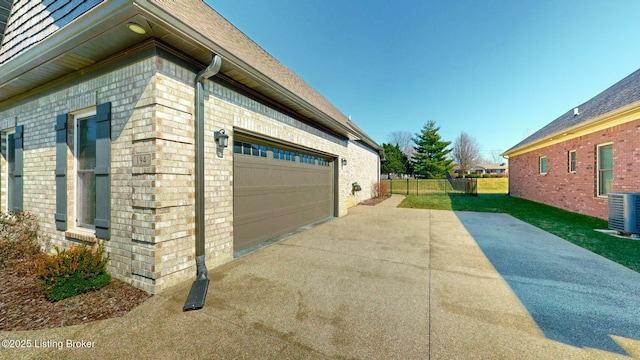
103	171
61	172
18	173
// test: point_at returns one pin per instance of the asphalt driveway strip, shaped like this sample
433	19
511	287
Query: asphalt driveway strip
575	296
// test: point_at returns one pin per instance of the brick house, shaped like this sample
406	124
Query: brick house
576	160
113	116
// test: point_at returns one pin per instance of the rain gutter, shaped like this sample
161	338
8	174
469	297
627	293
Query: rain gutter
198	292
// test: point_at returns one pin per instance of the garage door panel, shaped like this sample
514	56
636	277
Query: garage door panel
273	196
261	226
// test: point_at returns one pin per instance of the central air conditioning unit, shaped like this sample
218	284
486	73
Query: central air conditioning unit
624	213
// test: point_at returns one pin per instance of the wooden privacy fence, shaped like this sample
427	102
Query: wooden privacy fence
432	186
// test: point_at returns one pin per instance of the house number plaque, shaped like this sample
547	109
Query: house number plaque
142	160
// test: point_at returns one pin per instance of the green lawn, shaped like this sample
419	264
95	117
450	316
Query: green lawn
576	228
493	186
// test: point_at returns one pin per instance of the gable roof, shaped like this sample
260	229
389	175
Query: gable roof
97	31
31	21
491	166
208	22
5	9
625	92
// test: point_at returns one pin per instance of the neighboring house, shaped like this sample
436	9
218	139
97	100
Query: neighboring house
495	170
588	152
498	170
113	116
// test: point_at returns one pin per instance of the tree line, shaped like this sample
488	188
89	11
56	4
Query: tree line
426	155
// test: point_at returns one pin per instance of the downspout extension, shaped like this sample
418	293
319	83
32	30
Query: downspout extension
198	292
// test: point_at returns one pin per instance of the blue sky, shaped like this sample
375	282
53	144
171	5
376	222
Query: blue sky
498	70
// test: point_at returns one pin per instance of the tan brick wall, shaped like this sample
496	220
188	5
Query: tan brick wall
128	89
577	191
223	111
360	163
152	241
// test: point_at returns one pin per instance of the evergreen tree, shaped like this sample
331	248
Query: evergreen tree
430	156
395	160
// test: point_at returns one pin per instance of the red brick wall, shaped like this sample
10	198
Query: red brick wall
577	191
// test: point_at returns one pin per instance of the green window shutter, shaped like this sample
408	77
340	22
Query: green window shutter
18	173
103	171
61	172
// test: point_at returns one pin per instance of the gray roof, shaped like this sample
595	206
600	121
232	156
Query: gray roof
199	15
29	22
623	93
5	8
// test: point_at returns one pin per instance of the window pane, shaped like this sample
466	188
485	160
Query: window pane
11	153
263	151
247	149
87	144
86	155
86	197
606	182
605	154
572	161
543	165
11	167
237	147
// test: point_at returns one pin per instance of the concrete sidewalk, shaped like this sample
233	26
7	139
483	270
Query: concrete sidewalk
380	283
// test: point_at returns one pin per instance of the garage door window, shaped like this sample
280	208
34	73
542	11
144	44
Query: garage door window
307	159
283	154
245	148
249	149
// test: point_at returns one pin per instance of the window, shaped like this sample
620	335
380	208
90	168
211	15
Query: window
543	165
605	169
283	154
87	134
572	161
85	150
249	149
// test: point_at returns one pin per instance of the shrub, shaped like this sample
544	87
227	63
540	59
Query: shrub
380	189
74	271
20	237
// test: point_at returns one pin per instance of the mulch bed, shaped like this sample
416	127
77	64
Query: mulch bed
374	201
23	307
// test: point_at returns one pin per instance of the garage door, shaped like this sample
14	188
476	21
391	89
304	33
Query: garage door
277	189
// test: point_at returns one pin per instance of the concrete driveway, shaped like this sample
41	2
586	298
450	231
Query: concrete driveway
380	283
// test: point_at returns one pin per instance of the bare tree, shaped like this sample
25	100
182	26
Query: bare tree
496	158
404	139
466	152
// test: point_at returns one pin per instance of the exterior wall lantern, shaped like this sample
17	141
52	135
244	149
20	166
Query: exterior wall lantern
221	139
344	162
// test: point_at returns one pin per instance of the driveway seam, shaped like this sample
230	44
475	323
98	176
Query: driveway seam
429	288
